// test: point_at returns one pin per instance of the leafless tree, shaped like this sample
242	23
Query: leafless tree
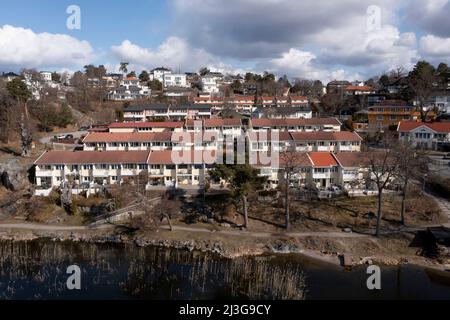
289	163
382	170
411	164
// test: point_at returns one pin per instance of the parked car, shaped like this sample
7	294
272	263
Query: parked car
69	136
447	156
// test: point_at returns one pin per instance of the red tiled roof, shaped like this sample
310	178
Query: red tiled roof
441	127
92	157
326	136
222	122
155	124
294	122
322	159
127	137
352	159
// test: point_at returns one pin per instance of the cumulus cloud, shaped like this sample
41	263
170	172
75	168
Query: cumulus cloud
435	47
249	29
21	47
304	65
174	52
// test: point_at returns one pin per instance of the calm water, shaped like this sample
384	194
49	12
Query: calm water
37	270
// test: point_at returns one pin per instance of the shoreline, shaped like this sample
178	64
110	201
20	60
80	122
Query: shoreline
224	248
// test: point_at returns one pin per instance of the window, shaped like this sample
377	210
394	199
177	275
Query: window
380	118
143	167
59	167
393	117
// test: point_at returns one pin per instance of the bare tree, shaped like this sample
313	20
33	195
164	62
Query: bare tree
25	137
382	170
411	164
289	163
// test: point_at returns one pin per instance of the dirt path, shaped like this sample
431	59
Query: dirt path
46	227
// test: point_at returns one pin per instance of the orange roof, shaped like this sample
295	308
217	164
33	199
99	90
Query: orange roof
441	127
155	124
359	88
322	159
92	157
127	137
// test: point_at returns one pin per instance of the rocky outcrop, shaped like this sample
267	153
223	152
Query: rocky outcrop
13	176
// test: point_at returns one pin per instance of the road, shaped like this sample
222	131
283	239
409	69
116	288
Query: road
48	139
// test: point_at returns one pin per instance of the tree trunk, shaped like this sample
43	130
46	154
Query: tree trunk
403	210
380	201
168	220
245	205
286	203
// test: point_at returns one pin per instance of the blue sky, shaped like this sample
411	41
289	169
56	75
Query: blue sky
307	39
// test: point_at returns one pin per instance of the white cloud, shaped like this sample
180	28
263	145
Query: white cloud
21	47
435	47
174	52
303	64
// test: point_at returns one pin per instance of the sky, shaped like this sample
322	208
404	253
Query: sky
310	39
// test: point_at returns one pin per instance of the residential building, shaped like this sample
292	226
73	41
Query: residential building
325	141
173	112
10	76
128	141
175	80
440	102
124	127
359	90
389	113
292	125
337	86
425	135
46	76
86	170
159	73
130	89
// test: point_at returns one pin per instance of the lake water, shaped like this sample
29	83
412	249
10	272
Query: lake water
37	270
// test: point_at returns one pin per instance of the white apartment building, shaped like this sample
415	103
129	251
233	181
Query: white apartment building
159	73
175	80
292	125
89	170
173	112
123	127
130	89
124	141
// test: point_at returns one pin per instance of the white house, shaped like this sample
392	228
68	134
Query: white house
175	80
130	89
46	76
158	74
425	135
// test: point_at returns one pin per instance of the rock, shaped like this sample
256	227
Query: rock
348	230
225	225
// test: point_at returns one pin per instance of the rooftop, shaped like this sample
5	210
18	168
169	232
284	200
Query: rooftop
92	157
